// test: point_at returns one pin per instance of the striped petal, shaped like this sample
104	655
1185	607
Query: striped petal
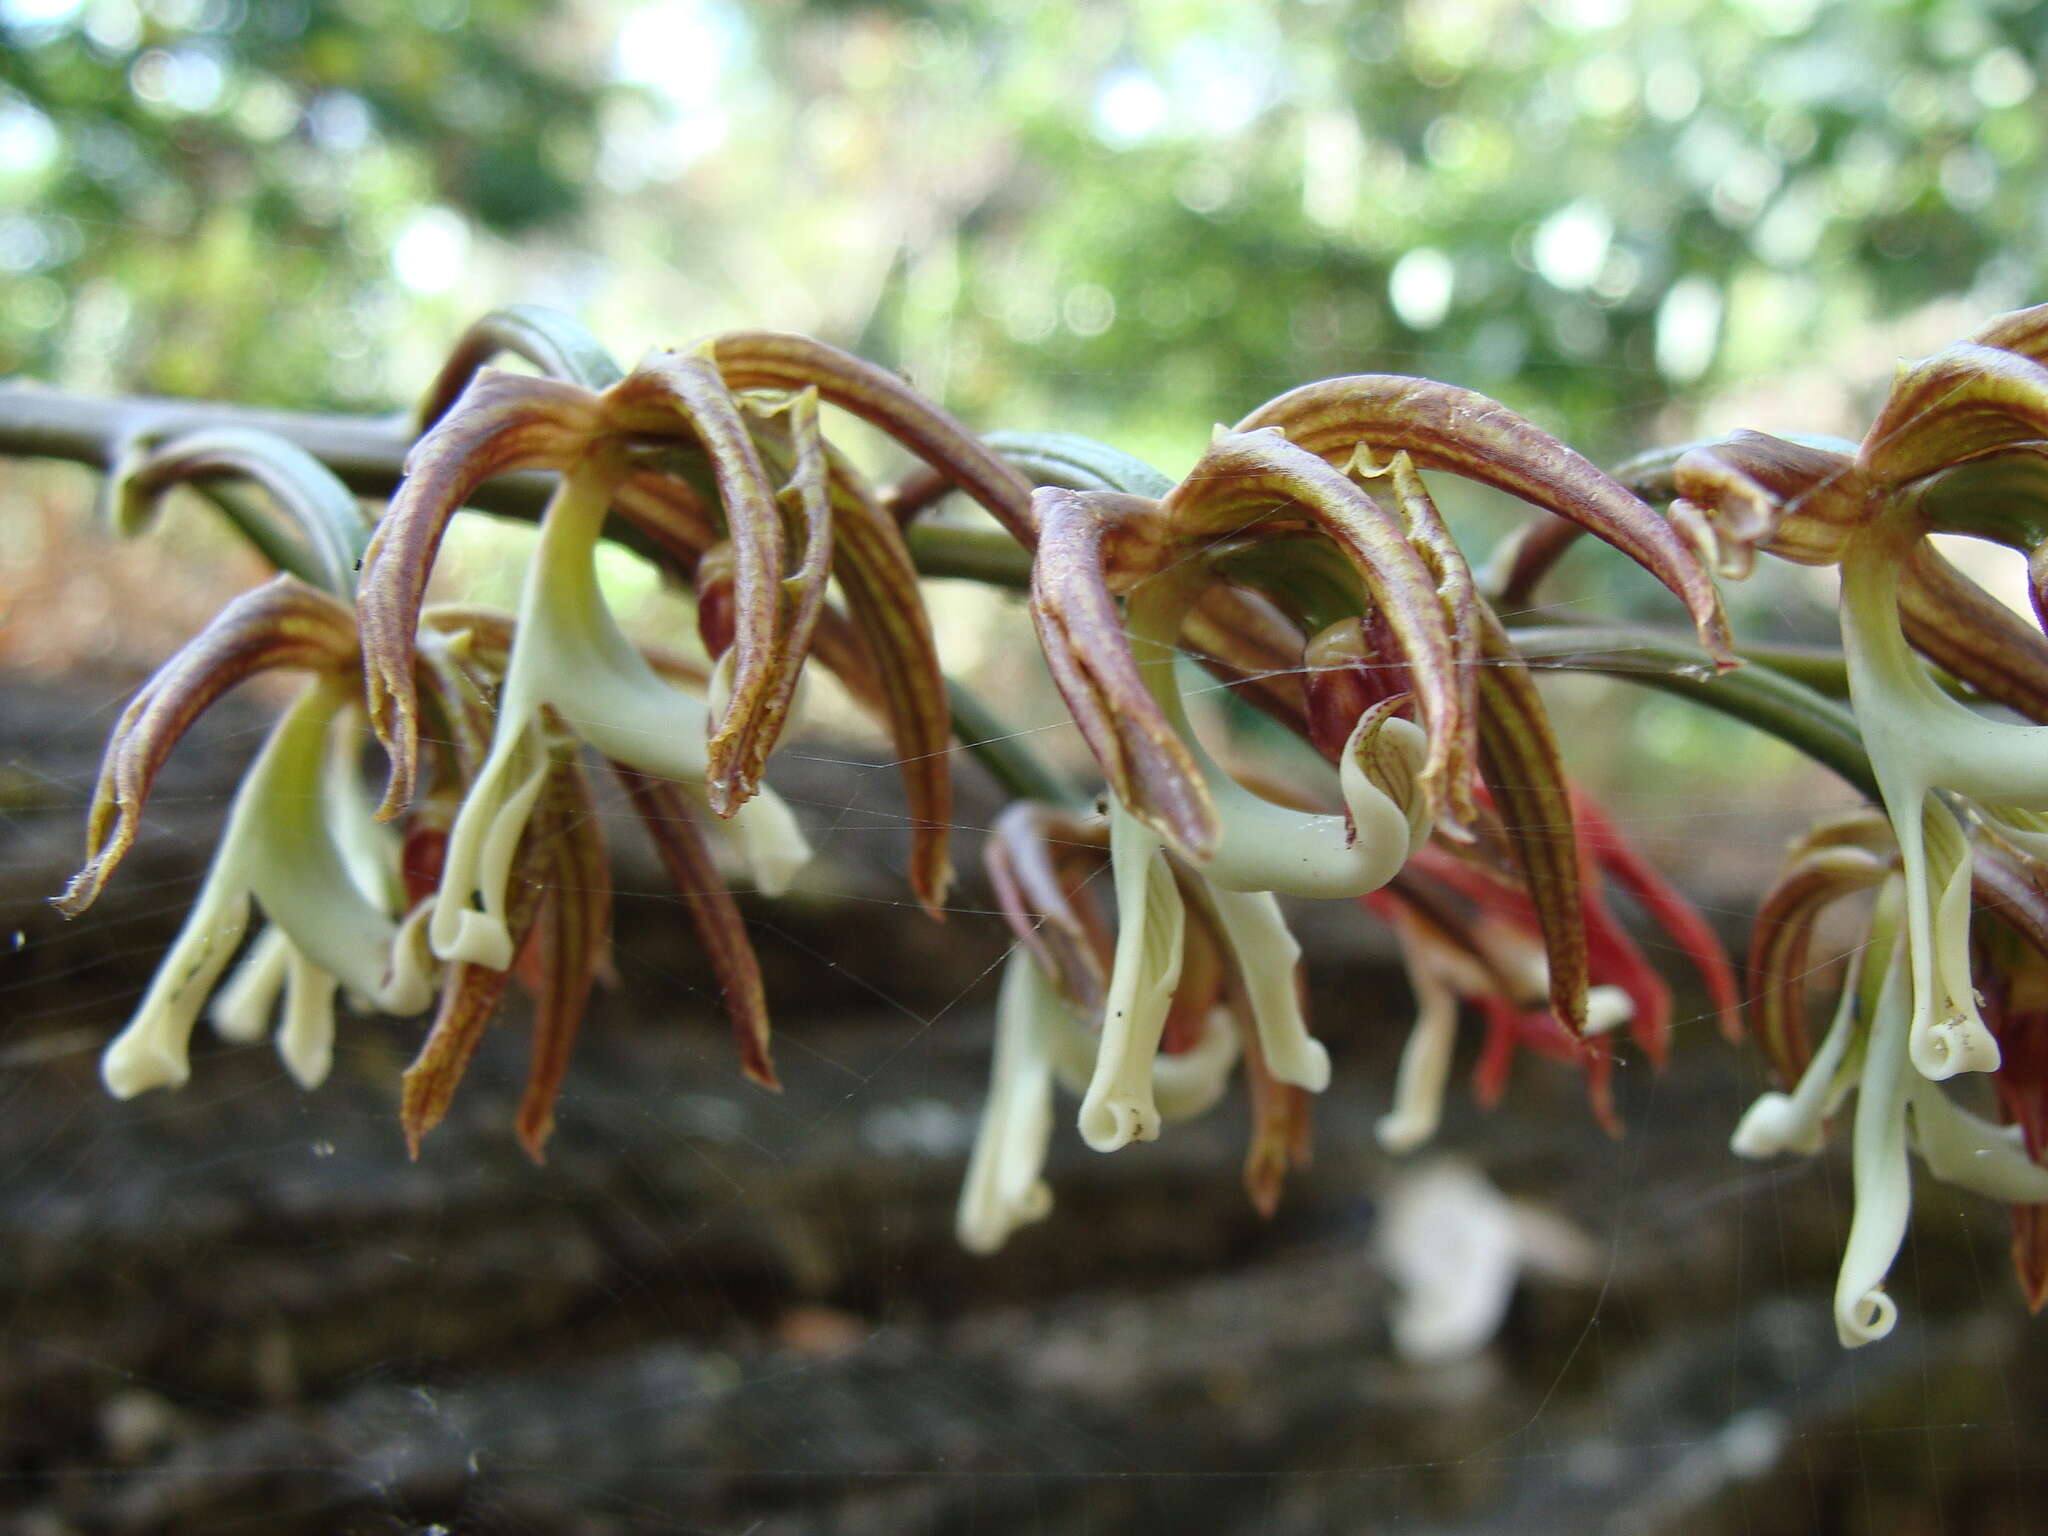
1442	426
283	624
503	422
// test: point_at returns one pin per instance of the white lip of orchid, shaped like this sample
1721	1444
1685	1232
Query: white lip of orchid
1267	847
1426	1058
1191	1083
1607	1008
1883	1179
279	847
1151	923
243	1006
569	655
1267	956
1972	1153
1797	1121
1921	740
305	1040
770	842
1005	1188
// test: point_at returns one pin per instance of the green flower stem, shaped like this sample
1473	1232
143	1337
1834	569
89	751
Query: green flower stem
1756	694
249	520
367	453
986	555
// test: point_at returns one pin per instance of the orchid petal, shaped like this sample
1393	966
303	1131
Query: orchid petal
331	528
1883	1180
1190	1083
281	624
721	929
1005	1188
1797	1121
1965	401
305	1040
553	343
1524	775
1426	1058
242	1008
503	422
1281	1119
1443	427
1754	491
751	360
1920	739
1267	956
1260	480
1118	1107
886	608
670	389
1081	635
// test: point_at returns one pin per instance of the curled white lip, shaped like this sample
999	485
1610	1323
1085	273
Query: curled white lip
280	850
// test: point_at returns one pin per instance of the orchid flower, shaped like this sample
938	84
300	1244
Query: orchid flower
1954	448
295	845
1314	506
1867	1050
736	492
1145	1022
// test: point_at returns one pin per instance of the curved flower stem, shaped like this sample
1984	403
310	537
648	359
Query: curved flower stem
986	555
1757	695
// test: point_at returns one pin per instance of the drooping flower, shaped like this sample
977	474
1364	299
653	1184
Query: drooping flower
1956	447
740	495
1469	931
1314	510
295	845
1900	1109
1144	1020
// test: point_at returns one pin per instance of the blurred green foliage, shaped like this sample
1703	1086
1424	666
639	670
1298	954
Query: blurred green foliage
1127	217
213	188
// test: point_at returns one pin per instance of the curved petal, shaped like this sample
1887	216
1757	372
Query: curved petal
1005	1188
1260	478
1118	1107
721	928
1755	491
1524	774
885	608
670	389
1443	427
551	341
1081	634
503	422
332	530
1964	401
282	624
775	360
